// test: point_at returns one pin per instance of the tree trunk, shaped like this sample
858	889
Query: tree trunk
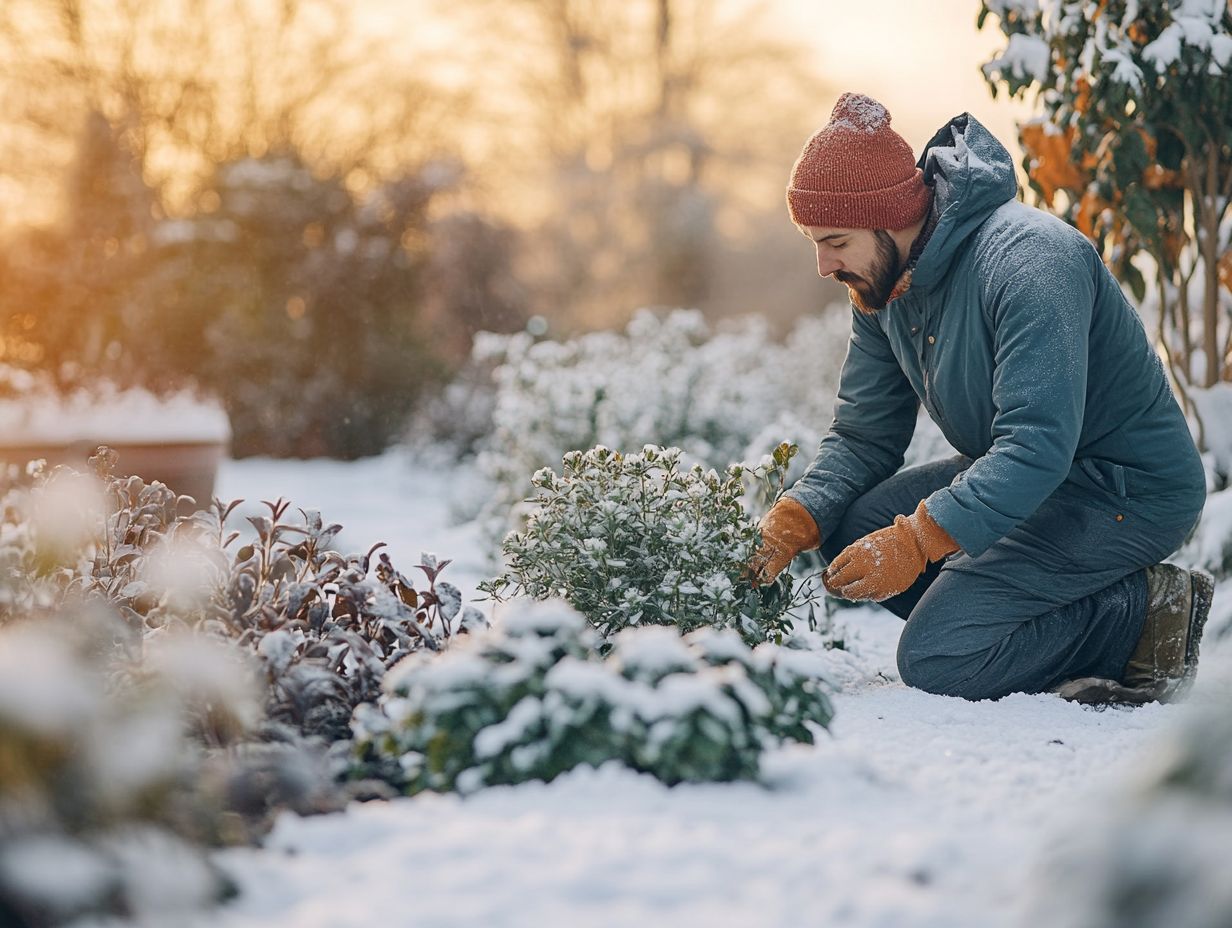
1205	195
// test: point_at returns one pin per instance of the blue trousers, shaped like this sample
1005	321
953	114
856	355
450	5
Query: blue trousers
1062	596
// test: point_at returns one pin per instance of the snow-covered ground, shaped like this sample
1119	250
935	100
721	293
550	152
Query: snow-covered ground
917	810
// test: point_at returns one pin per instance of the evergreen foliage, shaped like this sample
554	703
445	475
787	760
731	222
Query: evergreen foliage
1134	147
532	699
638	539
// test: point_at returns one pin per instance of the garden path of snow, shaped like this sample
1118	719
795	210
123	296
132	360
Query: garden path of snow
918	810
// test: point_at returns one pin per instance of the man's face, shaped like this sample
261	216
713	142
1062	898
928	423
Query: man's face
866	260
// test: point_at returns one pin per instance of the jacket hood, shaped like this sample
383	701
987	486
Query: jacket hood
971	174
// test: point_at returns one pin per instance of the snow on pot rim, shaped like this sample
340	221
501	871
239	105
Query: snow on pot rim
107	415
178	440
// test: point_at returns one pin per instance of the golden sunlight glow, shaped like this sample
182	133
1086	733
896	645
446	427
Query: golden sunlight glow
921	58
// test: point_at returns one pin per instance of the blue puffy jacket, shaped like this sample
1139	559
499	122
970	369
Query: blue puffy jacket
1024	351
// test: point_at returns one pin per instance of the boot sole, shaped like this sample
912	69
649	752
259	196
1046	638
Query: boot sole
1100	691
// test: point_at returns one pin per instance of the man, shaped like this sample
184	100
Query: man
1030	561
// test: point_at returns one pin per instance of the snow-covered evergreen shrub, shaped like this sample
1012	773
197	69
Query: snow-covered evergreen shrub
532	699
1158	855
101	807
667	379
639	539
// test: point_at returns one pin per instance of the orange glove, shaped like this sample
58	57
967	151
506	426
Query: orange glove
786	530
889	560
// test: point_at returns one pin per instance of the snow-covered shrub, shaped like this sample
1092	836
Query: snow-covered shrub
160	691
639	539
325	629
532	699
101	810
455	422
1210	546
670	380
324	625
1157	855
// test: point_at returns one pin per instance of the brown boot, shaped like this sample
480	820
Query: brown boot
1178	603
1165	660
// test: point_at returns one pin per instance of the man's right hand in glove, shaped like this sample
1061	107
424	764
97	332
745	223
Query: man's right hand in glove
786	530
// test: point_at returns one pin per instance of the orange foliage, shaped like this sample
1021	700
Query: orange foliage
1157	177
1050	151
1089	208
1053	168
1082	101
1225	269
1174	241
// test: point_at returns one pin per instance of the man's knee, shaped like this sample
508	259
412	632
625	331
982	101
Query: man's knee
918	659
926	662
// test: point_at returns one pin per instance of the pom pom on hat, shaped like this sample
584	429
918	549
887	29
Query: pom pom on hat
856	172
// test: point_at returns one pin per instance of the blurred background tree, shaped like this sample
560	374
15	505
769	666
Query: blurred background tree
300	208
1134	147
217	229
650	140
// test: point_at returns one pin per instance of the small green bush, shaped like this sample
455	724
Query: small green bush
533	699
637	539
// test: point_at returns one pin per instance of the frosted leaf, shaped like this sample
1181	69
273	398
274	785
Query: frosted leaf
278	647
549	617
1124	71
1221	50
654	650
514	728
450	599
472	620
470	780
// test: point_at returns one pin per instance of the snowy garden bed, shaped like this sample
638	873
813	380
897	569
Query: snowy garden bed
915	810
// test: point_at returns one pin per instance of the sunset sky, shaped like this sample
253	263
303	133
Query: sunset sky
921	59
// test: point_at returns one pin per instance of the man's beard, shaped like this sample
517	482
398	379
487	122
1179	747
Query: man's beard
873	293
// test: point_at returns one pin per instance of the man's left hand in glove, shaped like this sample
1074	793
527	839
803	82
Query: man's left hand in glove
887	561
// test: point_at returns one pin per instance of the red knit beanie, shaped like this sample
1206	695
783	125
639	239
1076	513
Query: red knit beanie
857	173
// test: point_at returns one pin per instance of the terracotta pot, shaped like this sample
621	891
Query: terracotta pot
186	467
